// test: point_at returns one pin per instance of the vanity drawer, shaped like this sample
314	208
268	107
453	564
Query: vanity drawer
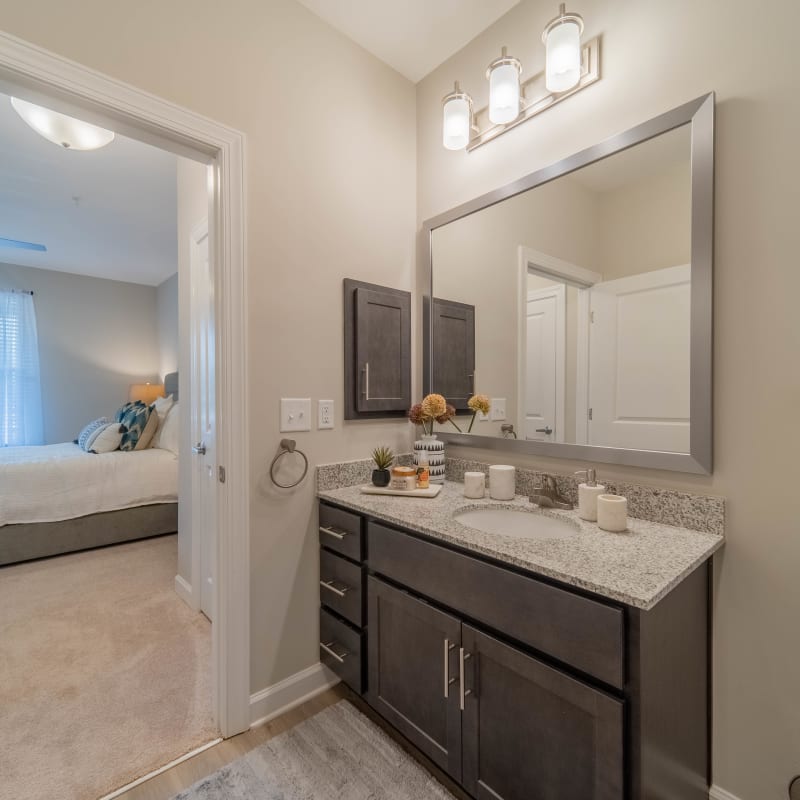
340	530
340	586
340	649
576	630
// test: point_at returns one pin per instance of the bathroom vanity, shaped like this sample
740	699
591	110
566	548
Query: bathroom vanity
574	667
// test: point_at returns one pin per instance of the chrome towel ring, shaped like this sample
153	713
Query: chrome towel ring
288	446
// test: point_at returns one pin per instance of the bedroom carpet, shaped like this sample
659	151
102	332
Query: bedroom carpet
337	754
104	671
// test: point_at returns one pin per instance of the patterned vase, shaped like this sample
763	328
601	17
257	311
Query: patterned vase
434	449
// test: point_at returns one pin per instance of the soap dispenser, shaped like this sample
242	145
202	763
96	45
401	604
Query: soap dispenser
588	493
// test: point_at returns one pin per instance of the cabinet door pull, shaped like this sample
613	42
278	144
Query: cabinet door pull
462	657
448	681
328	648
340	592
331	532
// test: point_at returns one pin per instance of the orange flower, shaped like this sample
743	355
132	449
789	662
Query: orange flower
434	405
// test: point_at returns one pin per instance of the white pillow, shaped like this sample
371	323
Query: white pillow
162	406
169	432
106	439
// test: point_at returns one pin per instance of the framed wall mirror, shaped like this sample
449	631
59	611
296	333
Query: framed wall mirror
579	300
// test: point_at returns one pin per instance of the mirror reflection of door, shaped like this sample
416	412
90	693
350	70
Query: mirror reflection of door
544	364
639	341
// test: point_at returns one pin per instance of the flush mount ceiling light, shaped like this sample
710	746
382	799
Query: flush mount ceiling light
570	66
67	132
562	41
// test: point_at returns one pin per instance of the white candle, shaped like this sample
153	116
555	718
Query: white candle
474	485
502	482
612	513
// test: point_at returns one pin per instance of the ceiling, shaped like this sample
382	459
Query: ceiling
108	213
414	36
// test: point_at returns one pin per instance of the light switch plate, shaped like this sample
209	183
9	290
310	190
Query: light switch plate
498	409
325	418
295	414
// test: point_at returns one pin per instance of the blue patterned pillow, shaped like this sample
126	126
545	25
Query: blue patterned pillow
124	410
134	418
84	436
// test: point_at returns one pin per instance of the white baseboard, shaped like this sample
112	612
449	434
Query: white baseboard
294	690
716	793
184	590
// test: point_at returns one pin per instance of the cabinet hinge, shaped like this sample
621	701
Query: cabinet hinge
591	316
221	474
590	413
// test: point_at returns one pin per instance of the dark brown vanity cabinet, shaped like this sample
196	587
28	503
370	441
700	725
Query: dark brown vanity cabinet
377	344
525	689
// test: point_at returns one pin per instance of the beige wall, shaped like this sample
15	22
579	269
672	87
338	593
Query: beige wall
656	56
167	313
331	165
96	337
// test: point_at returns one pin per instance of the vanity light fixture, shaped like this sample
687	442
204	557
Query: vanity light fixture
504	90
570	65
562	41
457	119
67	132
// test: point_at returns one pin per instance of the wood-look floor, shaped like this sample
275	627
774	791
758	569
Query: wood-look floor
183	775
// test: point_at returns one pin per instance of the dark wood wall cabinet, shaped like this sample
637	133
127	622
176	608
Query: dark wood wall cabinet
453	356
517	687
377	351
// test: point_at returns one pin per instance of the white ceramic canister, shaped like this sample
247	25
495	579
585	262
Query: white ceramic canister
612	513
474	485
502	482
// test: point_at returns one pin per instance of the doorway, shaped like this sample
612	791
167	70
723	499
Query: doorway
44	78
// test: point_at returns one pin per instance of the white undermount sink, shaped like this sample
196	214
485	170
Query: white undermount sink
520	524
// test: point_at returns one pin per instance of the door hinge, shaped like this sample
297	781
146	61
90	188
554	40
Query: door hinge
590	413
591	316
221	474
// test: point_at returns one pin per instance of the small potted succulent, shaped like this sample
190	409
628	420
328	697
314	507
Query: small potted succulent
383	458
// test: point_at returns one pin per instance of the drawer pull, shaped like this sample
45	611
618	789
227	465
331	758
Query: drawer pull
328	648
448	681
340	591
331	532
462	657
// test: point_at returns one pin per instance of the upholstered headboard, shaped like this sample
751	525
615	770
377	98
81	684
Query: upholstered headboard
171	386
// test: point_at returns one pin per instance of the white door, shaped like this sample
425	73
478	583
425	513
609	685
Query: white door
543	379
639	361
203	421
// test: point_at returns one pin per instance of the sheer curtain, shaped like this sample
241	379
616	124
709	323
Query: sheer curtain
20	390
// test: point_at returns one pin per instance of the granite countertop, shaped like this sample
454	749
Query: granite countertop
637	567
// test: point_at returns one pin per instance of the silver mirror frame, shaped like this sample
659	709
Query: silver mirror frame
699	114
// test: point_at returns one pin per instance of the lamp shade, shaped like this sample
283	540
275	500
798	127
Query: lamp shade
67	132
146	392
456	120
504	92
562	39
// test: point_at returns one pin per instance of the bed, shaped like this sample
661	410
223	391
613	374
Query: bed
58	499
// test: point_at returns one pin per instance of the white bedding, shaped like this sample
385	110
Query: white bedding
54	482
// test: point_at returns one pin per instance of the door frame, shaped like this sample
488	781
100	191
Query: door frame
40	76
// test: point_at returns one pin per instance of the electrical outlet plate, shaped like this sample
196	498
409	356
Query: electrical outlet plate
325	418
498	409
295	414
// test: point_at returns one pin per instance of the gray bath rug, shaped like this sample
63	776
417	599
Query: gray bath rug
337	754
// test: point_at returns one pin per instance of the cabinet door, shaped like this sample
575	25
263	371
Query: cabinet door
453	368
413	671
531	731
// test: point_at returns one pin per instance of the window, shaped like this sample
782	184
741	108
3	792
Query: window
20	391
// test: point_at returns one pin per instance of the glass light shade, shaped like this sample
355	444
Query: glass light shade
67	132
563	56
456	123
504	93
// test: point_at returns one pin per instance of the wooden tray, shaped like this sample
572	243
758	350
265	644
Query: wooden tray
432	491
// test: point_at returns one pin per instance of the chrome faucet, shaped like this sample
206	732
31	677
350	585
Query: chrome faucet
546	495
